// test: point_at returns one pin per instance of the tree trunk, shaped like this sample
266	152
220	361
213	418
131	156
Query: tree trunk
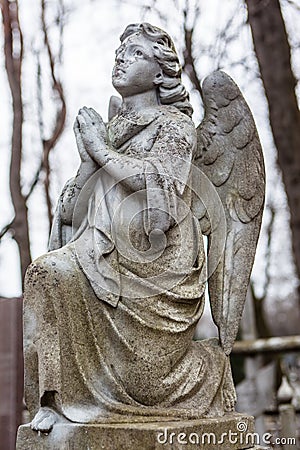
273	54
13	50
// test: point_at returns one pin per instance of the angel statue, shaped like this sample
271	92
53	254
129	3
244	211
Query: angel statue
110	312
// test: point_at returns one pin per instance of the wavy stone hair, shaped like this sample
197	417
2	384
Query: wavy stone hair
171	91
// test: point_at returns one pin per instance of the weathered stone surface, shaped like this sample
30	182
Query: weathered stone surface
110	312
204	434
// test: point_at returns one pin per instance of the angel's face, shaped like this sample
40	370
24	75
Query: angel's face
136	68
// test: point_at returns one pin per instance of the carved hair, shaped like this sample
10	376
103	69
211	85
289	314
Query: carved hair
171	91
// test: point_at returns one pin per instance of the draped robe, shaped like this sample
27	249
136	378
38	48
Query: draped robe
111	311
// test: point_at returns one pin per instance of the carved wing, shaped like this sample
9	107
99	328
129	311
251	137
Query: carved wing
230	155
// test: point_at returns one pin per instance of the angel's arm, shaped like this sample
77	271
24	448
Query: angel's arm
125	169
74	186
72	191
170	156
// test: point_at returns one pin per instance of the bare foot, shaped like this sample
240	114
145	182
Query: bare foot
44	420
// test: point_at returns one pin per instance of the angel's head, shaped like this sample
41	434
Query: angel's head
147	59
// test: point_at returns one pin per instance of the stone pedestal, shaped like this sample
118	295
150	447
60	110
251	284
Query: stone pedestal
231	432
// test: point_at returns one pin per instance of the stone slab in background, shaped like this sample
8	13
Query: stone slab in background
11	371
230	432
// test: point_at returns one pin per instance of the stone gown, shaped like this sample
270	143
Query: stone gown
110	312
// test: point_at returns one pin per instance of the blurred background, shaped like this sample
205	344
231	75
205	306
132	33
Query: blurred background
55	57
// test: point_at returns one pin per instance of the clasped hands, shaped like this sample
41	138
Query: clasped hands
91	135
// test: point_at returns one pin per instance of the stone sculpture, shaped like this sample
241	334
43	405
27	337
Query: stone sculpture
110	312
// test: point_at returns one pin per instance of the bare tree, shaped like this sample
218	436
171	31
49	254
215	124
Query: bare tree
273	53
13	49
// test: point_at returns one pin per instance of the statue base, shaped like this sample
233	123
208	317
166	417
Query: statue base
230	432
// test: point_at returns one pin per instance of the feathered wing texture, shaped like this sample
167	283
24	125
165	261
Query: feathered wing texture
230	155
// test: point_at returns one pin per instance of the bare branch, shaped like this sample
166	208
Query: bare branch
6	228
61	23
34	182
41	127
49	144
268	255
189	61
229	33
293	4
13	52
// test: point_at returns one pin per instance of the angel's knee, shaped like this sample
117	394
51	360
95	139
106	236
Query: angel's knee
48	270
